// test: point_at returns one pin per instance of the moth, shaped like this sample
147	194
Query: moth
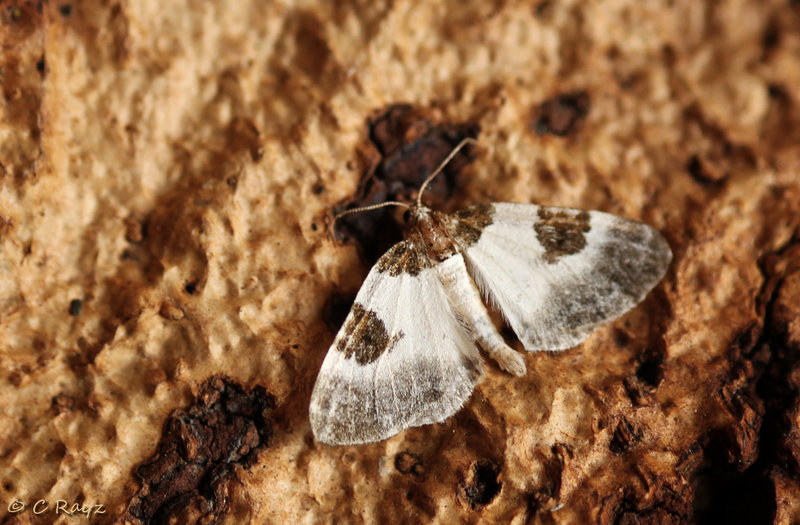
408	353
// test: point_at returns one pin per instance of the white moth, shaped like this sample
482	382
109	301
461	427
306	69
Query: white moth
407	354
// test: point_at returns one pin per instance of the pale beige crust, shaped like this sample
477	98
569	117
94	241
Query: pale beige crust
170	165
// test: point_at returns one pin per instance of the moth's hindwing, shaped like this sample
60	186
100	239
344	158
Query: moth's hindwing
556	273
400	360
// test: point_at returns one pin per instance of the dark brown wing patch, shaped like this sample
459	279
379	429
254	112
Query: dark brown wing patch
365	336
470	222
560	232
404	257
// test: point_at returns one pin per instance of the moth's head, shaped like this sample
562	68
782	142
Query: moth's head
416	213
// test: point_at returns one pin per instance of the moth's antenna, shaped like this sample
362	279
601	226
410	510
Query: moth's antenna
468	140
367	208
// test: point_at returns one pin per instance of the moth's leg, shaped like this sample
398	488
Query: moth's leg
465	300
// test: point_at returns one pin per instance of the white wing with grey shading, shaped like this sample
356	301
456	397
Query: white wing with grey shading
400	360
556	274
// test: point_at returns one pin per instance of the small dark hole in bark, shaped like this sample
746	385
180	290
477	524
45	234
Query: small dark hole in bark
75	307
650	370
483	483
771	37
621	338
409	463
625	436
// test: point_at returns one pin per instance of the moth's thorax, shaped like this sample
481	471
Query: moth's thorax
431	229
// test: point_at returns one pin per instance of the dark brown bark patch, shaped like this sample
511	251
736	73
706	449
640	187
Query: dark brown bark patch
561	115
227	426
410	146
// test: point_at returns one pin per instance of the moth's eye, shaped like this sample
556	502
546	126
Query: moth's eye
407	216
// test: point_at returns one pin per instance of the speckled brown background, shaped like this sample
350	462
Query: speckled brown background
169	284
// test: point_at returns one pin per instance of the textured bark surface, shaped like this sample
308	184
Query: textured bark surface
169	283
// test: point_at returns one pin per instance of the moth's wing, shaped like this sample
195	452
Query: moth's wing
555	273
400	360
